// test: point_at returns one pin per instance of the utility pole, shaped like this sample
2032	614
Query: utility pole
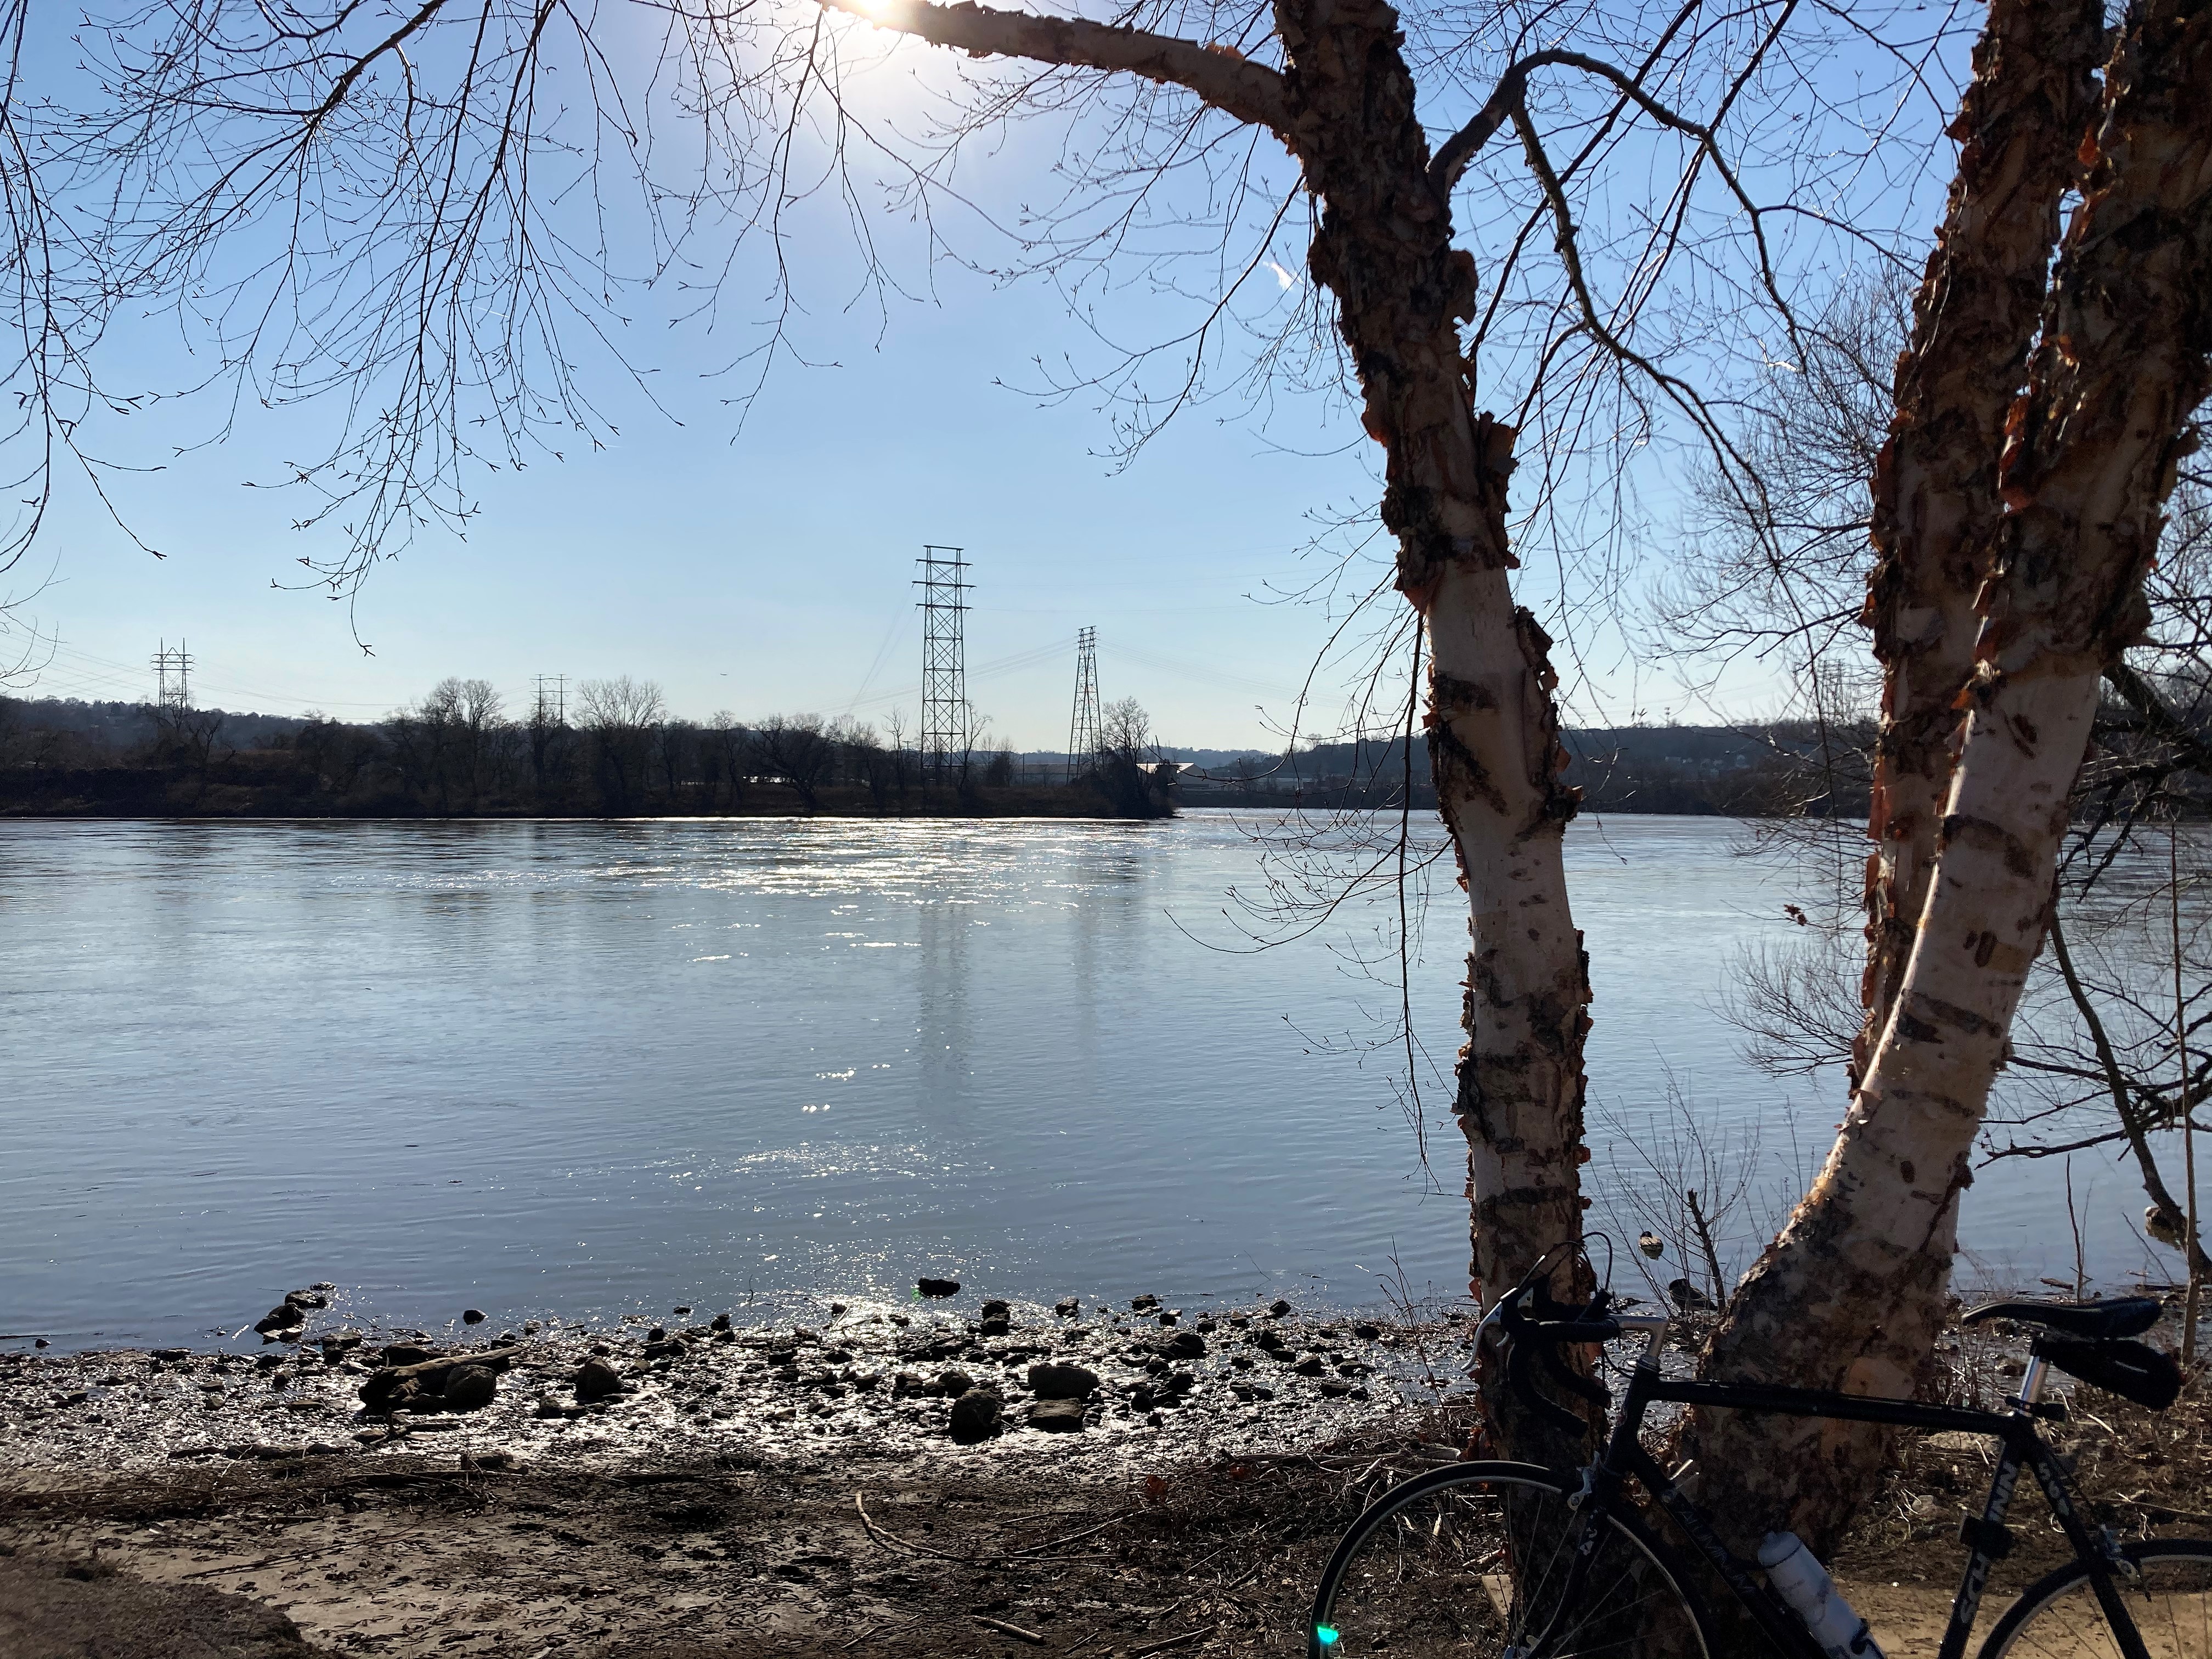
1084	736
558	698
167	699
944	715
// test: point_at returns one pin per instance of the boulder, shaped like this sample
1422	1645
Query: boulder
975	1416
1366	1332
954	1383
1067	1307
284	1316
720	1322
1184	1344
470	1387
996	1308
597	1380
1054	1381
1309	1366
472	1315
1057	1416
1280	1308
407	1353
1146	1303
937	1286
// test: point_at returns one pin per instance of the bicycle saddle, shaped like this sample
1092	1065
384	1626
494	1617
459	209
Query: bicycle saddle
2092	1322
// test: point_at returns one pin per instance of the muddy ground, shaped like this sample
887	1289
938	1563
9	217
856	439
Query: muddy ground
785	1491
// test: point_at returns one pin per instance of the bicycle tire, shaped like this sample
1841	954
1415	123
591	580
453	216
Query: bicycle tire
1405	1583
2059	1613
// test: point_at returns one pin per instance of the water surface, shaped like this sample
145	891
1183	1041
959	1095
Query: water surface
585	1068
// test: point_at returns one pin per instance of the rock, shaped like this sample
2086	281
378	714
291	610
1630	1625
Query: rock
975	1416
1057	1416
1687	1297
1000	1326
1335	1390
170	1356
679	1312
1146	1303
1309	1366
1067	1307
954	1383
407	1353
1367	1333
1169	1316
1280	1308
995	1308
720	1322
1054	1381
306	1301
284	1316
1184	1344
472	1315
1249	1392
658	1334
1270	1340
549	1406
470	1387
597	1380
937	1286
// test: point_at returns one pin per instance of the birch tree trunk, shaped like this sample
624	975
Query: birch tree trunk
1384	249
1345	105
1935	505
1851	1295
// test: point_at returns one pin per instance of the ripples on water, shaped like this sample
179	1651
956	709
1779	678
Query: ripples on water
585	1068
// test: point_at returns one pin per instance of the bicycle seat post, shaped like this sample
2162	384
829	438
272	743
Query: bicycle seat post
2030	1385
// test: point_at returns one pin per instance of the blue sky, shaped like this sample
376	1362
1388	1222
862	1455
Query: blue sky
768	569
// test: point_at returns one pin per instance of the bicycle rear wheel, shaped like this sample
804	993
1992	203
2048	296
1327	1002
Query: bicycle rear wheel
1472	1561
2170	1601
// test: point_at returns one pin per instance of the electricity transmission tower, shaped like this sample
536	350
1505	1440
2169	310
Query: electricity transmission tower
1082	733
556	698
167	698
944	717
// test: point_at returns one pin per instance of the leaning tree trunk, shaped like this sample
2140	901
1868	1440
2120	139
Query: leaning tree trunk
1851	1295
1384	249
1935	503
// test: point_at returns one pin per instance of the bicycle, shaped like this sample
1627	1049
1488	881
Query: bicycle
1517	1561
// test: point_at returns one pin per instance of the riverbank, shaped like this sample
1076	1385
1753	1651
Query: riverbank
753	1492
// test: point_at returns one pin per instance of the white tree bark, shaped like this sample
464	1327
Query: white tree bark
1850	1296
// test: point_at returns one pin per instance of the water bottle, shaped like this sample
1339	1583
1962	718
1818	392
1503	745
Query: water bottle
1804	1583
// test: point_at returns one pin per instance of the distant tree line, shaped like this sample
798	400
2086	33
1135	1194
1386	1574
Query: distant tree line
459	752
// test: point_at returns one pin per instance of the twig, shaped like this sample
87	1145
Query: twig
1173	1642
1006	1629
884	1535
1039	1549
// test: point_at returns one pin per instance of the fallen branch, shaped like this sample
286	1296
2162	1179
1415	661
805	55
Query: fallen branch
1173	1642
1006	1629
883	1534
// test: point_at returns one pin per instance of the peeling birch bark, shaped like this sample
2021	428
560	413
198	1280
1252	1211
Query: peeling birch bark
1936	506
1345	104
1851	1295
1384	249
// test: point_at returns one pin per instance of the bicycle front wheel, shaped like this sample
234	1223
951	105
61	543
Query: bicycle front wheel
2169	1601
1478	1561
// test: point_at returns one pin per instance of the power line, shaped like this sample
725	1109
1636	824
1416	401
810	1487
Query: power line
558	698
1083	737
945	718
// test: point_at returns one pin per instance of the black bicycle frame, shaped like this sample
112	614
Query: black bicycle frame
1989	1539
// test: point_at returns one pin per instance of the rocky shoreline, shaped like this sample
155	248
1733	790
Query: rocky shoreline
928	1378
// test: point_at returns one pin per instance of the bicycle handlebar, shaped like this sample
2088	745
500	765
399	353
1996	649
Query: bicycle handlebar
1542	1330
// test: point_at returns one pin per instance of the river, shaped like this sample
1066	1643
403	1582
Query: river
586	1069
